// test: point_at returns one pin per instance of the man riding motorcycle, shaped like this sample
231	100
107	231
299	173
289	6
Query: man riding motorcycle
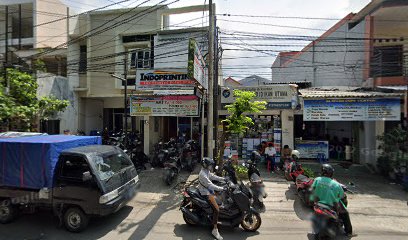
327	191
207	188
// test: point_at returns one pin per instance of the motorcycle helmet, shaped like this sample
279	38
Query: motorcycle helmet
207	162
327	170
296	154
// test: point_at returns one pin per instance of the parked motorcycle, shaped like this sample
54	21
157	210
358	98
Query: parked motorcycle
257	186
171	169
139	158
187	161
197	210
229	170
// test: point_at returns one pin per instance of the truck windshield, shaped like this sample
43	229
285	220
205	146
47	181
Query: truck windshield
109	165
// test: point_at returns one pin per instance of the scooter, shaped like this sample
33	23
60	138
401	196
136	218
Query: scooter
257	186
326	222
187	157
304	189
171	169
139	158
197	210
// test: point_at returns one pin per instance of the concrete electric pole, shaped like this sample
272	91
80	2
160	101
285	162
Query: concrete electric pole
210	112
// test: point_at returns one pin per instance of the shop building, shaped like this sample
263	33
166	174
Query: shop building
344	124
165	98
275	124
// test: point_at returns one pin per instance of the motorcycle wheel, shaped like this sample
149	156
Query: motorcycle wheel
251	222
189	221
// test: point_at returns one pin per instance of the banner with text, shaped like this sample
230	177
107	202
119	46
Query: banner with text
277	96
386	109
163	80
181	106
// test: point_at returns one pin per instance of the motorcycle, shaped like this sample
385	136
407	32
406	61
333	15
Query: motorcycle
257	186
171	169
304	189
292	170
139	158
229	171
326	222
187	157
197	210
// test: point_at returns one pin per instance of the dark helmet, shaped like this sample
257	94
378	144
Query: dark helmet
255	156
207	162
327	170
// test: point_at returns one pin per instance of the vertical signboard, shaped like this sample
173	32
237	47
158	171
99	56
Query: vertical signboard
196	64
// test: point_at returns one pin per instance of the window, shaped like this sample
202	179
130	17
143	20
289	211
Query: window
387	61
73	167
140	59
82	59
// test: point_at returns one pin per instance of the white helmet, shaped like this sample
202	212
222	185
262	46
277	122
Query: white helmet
296	153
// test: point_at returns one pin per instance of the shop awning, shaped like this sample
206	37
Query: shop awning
395	88
322	93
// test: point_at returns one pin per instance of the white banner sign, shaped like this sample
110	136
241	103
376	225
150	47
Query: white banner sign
181	106
386	109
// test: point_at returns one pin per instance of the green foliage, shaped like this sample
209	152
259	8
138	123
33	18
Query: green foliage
21	107
51	105
394	146
237	122
308	172
241	171
40	65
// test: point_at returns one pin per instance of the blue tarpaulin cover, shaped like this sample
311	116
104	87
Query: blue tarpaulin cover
29	162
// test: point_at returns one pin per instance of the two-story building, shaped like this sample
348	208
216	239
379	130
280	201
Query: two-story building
366	50
30	33
165	99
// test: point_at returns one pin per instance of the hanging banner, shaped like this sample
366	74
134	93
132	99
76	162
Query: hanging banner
381	109
276	96
312	149
196	65
181	106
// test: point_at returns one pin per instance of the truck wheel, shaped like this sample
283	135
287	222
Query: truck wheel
75	220
8	212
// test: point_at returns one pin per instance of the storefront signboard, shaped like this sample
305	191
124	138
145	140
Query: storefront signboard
163	80
277	96
367	109
196	65
312	149
181	106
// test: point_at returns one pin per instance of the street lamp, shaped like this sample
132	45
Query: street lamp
126	108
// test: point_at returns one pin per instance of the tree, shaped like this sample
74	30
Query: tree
394	154
21	108
237	122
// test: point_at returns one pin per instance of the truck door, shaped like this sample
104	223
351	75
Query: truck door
70	188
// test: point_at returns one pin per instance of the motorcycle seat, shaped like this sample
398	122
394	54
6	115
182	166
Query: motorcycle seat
302	178
194	192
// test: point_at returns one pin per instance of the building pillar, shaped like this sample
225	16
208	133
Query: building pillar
379	130
146	133
287	119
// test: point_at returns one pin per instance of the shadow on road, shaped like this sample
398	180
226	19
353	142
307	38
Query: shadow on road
185	231
167	203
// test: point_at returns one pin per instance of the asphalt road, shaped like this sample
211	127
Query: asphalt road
378	211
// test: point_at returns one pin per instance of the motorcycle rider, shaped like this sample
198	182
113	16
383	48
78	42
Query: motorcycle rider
327	191
207	188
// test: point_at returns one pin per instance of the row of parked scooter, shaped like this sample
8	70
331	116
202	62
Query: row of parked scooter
175	156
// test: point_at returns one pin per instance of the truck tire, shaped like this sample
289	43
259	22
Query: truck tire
75	220
8	212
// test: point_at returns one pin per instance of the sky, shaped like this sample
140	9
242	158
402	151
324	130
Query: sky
242	63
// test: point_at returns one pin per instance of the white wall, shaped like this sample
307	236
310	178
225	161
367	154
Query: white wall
338	62
287	118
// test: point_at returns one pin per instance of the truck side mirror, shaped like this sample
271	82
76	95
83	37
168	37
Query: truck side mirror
86	176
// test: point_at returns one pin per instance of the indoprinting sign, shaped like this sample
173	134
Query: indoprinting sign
385	109
276	96
182	106
159	79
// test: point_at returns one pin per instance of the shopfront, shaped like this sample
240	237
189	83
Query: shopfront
344	125
275	124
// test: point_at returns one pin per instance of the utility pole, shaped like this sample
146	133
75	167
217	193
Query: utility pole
210	112
125	99
6	52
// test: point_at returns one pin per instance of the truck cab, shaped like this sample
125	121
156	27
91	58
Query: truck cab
93	180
